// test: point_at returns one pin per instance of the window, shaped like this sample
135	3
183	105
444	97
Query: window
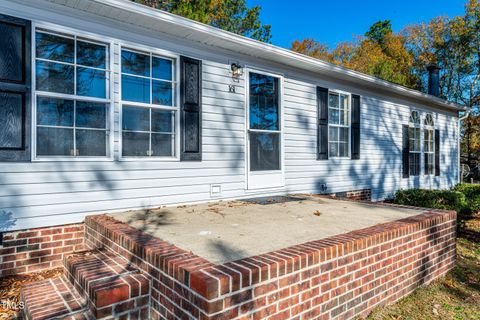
338	125
429	144
264	122
72	96
414	143
149	107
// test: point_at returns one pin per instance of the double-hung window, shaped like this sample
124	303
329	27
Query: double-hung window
429	144
338	125
414	143
72	96
149	105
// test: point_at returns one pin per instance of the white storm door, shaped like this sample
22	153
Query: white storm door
264	132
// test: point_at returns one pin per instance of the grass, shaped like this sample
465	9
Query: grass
455	296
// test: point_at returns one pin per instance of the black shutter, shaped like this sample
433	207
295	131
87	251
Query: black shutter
406	152
191	109
15	86
437	152
355	143
322	123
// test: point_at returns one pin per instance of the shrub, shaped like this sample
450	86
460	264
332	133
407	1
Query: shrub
463	198
472	194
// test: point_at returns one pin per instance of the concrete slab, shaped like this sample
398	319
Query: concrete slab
229	230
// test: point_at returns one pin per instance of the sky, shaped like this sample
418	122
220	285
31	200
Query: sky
334	21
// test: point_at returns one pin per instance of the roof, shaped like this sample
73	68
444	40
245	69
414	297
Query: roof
176	26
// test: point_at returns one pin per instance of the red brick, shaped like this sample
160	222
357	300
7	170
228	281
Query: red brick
38	267
27	262
51	258
322	287
265	288
39	240
5	251
51	231
14	257
73	229
62	236
124	306
27	234
40	253
51	244
111	295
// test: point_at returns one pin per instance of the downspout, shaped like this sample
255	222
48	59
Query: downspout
458	143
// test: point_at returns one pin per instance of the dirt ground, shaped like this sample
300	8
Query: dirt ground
10	290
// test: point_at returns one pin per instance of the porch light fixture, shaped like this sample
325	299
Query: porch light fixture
236	69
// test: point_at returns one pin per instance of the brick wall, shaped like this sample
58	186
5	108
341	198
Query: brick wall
336	277
361	194
38	249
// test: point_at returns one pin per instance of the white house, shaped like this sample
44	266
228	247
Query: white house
107	105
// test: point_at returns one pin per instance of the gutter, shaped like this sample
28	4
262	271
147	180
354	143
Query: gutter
292	58
458	143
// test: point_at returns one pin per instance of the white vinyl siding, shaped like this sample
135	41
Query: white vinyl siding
59	192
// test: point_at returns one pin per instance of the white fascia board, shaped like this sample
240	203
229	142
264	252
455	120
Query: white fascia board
201	33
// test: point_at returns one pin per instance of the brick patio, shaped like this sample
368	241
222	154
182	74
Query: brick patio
332	278
121	272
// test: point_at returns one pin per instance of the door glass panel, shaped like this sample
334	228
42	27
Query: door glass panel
264	151
264	111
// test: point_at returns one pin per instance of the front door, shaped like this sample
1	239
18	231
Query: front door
264	131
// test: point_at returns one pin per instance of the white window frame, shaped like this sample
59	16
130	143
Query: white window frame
86	36
432	152
420	152
134	47
349	99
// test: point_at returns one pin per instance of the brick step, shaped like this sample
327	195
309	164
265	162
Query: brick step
112	286
54	298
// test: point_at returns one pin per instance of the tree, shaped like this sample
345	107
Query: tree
380	53
379	31
312	48
229	15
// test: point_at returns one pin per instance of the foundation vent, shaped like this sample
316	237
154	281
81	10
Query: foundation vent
215	190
